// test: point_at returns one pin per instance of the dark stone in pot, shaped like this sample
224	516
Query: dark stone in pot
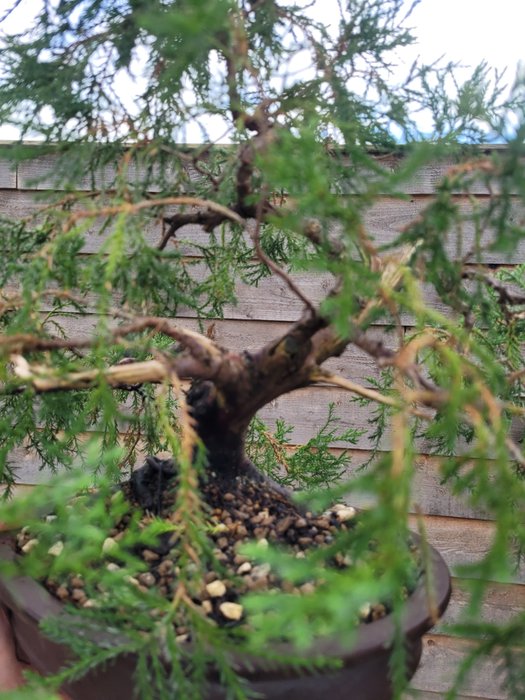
364	674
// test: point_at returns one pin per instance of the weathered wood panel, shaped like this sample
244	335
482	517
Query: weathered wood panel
384	221
442	656
271	300
501	603
35	174
463	541
8	176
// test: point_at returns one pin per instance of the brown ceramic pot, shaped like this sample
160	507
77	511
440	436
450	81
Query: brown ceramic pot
363	675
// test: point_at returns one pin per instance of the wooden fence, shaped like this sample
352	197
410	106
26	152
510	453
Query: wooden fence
460	532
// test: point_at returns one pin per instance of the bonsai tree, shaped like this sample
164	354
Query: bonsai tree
301	125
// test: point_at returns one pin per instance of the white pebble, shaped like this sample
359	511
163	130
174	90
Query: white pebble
260	571
207	607
29	545
262	543
56	549
216	589
365	610
244	568
50	518
345	514
112	567
109	545
231	611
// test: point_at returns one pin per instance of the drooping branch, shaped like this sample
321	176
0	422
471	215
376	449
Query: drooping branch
371	394
506	295
203	349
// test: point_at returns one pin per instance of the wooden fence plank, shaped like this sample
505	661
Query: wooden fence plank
388	217
7	177
430	495
441	658
384	221
462	541
502	602
272	300
35	174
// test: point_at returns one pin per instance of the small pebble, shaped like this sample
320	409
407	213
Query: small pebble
345	514
56	549
378	611
216	589
109	545
260	571
165	567
149	556
231	611
62	592
364	611
305	541
284	524
147	579
29	545
78	595
244	568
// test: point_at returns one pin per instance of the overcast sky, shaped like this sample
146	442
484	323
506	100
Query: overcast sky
468	31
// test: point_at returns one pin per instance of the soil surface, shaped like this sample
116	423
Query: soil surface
252	511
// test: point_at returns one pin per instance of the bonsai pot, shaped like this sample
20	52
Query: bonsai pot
363	674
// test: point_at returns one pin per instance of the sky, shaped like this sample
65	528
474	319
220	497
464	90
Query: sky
468	31
471	31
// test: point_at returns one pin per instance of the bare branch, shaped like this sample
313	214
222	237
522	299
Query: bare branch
133	208
319	375
506	295
203	349
43	379
256	238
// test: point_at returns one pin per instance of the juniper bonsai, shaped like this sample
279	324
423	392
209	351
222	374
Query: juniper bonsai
302	124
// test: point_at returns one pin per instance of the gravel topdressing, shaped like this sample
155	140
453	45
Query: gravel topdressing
252	511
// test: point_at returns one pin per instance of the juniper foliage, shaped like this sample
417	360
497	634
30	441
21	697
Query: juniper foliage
298	123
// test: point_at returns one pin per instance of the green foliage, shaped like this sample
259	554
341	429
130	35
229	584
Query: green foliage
318	124
305	467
